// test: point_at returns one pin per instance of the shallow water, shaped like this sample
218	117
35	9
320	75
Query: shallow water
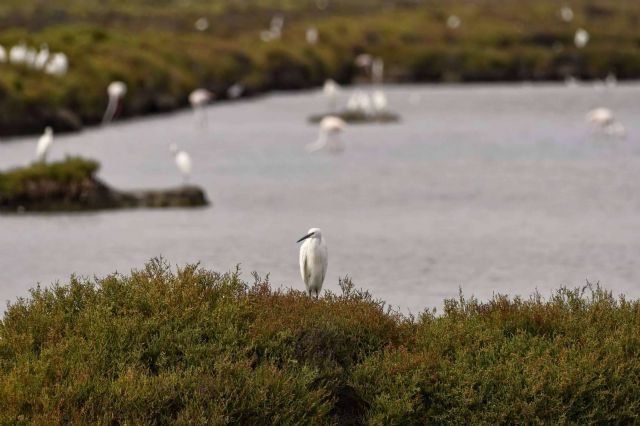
491	189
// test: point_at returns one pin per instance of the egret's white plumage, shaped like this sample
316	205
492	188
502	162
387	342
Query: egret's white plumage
360	102
329	135
44	145
379	100
183	161
566	13
18	53
314	260
42	58
454	22
600	116
200	97
58	65
312	35
235	91
116	91
581	38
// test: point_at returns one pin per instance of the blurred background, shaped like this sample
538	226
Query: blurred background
513	166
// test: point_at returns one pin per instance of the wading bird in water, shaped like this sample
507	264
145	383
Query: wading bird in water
330	129
44	145
313	261
116	91
183	161
198	99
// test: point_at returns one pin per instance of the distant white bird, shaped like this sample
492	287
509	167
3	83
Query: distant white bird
116	91
3	54
454	22
581	38
42	57
605	121
235	91
202	24
570	81
329	135
331	89
611	80
275	29
360	102
364	60
600	116
183	161
44	145
312	35
198	99
18	53
566	13
58	65
379	100
314	259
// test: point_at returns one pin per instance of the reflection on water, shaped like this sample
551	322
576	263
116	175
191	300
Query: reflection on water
492	189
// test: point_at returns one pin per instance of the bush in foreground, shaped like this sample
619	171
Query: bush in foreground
198	347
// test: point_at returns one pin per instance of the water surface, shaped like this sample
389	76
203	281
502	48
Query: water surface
492	189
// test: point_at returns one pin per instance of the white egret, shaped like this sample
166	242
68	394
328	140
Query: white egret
44	145
58	65
359	102
235	91
312	35
570	81
3	54
116	91
566	13
42	57
198	99
18	53
581	38
600	116
363	60
183	161
329	135
314	259
379	100
202	24
454	22
275	29
331	89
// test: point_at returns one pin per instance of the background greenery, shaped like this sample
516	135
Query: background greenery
153	46
198	347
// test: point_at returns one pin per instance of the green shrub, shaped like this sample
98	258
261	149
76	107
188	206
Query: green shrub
71	170
198	347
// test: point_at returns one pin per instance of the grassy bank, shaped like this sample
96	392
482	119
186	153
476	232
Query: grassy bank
198	347
156	50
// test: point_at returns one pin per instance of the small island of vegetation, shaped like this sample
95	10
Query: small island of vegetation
72	185
200	347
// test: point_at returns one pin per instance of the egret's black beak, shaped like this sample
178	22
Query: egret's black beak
305	237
